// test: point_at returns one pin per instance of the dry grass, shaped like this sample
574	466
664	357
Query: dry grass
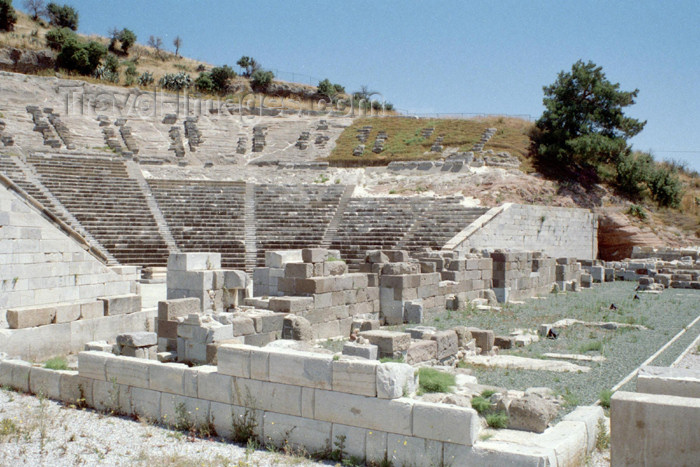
406	143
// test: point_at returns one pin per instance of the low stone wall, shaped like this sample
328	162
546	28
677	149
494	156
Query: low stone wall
43	342
306	400
671	381
557	232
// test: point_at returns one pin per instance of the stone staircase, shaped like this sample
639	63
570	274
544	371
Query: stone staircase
334	224
251	233
437	221
485	137
42	126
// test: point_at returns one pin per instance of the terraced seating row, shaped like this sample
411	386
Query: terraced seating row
205	216
107	202
10	167
293	216
407	223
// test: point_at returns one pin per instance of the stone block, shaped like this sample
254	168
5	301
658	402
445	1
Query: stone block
146	403
364	412
235	359
306	369
421	332
121	304
67	313
174	407
504	342
128	371
446	343
15	374
679	382
464	336
335	268
355	439
275	397
376	256
277	259
297	432
21	318
589	416
45	382
395	380
314	255
214	386
167	377
194	261
234	279
421	351
299	270
390	343
91	364
73	388
409	450
170	310
484	338
367	351
499	453
92	310
355	376
167	329
137	339
531	413
413	312
291	304
297	328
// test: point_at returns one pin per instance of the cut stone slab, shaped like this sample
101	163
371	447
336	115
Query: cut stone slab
390	343
421	351
30	317
577	357
137	339
531	413
367	351
523	363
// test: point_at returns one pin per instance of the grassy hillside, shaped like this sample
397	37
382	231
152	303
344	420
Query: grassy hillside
406	143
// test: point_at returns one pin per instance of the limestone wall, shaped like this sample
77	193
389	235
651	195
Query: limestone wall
40	265
557	232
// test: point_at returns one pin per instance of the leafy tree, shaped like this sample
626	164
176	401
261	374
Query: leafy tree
204	83
112	63
127	37
81	57
665	186
177	42
63	16
261	79
8	16
37	8
329	89
249	65
583	121
56	37
220	77
634	172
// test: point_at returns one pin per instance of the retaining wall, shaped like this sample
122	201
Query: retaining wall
557	232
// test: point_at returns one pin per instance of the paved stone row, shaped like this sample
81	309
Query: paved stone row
5	138
41	125
485	137
192	133
127	137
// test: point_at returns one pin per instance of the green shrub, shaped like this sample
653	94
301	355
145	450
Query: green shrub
204	83
56	37
175	81
146	79
127	37
261	79
432	380
131	73
486	393
637	211
497	420
220	77
592	346
56	363
62	16
8	16
481	405
665	187
391	360
78	56
605	396
633	173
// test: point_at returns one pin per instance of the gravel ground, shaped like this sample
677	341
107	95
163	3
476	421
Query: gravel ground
40	432
664	315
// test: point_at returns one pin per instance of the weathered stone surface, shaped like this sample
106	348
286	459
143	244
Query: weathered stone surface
484	338
390	343
30	317
531	413
169	310
446	343
463	335
355	376
395	380
137	339
297	328
421	351
367	351
445	423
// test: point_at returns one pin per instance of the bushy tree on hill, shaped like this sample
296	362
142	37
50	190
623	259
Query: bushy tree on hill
249	65
62	16
125	37
177	42
329	89
583	121
81	57
261	79
56	37
8	16
220	76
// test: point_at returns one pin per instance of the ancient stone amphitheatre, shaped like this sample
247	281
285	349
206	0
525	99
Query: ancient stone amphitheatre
254	276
